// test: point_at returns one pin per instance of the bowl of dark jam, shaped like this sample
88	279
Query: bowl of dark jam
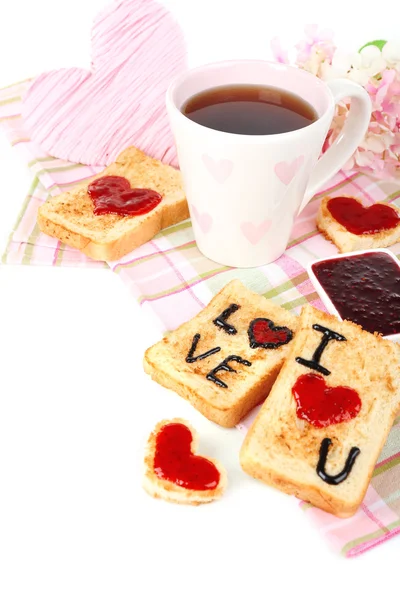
363	287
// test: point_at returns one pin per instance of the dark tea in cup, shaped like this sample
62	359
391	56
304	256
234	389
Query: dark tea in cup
249	110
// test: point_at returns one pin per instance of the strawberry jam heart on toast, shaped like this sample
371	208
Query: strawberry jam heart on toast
174	472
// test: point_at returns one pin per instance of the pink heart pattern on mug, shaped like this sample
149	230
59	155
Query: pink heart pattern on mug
255	233
219	169
286	171
204	220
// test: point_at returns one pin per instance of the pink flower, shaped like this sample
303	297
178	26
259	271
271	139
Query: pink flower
390	98
378	88
279	53
316	43
378	71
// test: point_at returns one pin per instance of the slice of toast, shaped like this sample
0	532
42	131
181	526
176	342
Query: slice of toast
70	217
306	457
349	242
215	363
159	487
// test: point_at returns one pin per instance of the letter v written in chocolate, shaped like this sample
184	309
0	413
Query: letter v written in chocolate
190	358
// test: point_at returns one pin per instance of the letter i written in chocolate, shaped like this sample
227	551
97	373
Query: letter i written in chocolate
315	362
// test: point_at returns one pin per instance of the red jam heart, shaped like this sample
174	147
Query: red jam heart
113	195
264	334
175	462
360	220
321	405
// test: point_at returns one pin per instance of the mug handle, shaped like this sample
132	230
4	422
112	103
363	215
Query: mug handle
349	138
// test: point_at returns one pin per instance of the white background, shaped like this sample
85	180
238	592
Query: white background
76	407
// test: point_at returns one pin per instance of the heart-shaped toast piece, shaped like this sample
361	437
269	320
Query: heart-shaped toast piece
263	333
362	220
174	472
351	226
322	405
113	194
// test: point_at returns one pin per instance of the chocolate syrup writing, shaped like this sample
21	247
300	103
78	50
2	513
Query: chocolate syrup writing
314	364
262	333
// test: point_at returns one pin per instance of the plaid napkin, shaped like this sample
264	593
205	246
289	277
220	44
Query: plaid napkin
172	281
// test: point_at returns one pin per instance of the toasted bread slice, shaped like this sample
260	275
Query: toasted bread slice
158	487
70	217
349	242
283	449
226	395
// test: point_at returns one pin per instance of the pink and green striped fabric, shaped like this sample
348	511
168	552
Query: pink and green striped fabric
172	281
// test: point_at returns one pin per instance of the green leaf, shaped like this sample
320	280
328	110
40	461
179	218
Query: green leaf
378	43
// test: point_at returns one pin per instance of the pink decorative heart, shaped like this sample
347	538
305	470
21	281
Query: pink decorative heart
204	220
91	116
219	169
286	171
255	233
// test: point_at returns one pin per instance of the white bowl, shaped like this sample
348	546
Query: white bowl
324	296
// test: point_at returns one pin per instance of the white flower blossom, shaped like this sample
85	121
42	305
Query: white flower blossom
391	53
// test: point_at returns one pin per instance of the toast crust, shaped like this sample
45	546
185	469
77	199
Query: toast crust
346	241
69	217
169	491
225	416
282	450
114	250
166	361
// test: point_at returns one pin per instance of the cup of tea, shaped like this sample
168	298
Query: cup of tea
249	136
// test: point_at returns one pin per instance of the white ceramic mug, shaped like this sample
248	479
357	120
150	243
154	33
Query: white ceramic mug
244	191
